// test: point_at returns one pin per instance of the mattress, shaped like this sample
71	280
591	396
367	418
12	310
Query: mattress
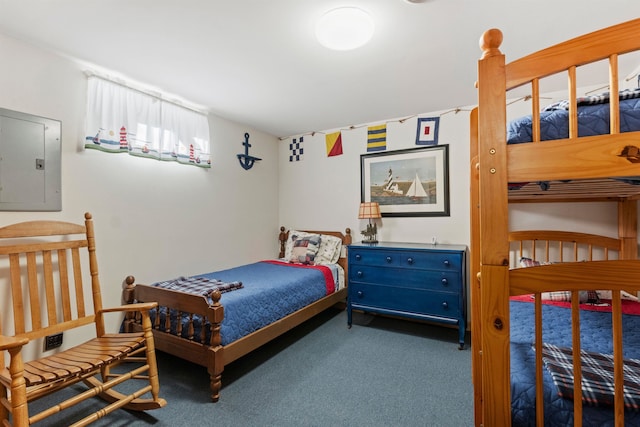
270	291
593	118
595	337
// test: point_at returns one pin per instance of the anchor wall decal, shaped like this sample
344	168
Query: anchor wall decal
247	161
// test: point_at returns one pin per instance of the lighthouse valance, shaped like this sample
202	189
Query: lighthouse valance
124	120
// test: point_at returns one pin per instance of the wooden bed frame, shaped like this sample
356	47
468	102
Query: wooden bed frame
494	164
213	355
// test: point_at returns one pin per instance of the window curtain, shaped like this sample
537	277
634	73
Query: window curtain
125	120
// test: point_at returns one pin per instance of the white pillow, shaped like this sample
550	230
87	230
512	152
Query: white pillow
330	249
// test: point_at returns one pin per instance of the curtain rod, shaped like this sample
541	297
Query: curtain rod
157	95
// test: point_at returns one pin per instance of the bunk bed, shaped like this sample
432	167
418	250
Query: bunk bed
598	167
215	318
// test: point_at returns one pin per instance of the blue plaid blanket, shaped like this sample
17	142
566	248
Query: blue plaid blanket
597	376
198	285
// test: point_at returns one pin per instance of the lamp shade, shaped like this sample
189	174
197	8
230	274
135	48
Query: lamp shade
369	210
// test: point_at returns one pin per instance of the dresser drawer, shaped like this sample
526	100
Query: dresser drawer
406	259
363	295
447	281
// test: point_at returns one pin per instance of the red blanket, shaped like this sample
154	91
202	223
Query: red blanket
326	272
628	306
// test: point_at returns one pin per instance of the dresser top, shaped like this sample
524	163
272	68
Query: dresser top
403	245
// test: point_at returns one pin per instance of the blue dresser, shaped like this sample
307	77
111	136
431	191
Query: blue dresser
420	281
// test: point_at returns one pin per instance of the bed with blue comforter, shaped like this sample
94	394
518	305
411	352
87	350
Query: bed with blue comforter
595	337
253	296
213	319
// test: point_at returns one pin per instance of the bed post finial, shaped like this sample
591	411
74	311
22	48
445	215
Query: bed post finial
490	42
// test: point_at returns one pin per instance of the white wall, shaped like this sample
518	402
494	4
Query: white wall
323	192
154	220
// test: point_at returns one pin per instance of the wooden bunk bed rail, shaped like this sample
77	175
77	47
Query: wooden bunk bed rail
601	156
576	276
592	47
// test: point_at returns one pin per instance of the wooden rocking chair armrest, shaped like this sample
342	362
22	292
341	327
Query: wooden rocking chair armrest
11	342
140	306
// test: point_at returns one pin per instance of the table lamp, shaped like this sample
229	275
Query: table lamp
370	210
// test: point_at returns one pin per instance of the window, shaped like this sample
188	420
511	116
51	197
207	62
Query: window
125	120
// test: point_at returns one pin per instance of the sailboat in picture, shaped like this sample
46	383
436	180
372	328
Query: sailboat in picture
416	189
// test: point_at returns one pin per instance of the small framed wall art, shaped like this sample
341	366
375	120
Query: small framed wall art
427	133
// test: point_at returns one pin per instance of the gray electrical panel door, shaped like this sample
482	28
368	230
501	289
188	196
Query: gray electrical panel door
29	162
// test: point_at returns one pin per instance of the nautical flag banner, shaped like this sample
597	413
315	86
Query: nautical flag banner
297	150
377	138
334	144
427	133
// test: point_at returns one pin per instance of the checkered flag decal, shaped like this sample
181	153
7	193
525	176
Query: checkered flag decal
297	150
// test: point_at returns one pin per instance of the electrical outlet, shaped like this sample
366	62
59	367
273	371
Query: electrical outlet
52	341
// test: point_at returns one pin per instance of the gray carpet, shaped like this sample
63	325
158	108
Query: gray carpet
381	372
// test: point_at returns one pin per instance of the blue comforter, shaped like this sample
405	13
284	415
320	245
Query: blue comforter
270	292
595	337
593	119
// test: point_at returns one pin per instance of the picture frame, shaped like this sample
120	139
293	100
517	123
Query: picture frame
406	183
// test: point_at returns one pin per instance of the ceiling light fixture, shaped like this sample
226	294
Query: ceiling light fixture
344	28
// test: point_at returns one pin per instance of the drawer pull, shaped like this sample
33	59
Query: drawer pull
410	260
445	305
359	274
360	294
446	263
358	257
388	259
445	281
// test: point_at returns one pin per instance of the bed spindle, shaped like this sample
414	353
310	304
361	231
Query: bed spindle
614	101
577	361
539	363
546	251
573	103
190	328
535	107
618	361
203	329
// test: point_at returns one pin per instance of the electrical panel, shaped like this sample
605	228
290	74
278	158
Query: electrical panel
30	157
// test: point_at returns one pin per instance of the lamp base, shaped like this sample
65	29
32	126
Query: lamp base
370	241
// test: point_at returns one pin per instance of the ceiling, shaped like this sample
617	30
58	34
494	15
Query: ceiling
257	62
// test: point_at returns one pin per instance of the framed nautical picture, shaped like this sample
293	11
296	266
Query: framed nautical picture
413	182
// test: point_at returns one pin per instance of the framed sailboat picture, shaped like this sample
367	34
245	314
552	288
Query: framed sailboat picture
413	182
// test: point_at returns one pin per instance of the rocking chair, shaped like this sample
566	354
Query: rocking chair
41	262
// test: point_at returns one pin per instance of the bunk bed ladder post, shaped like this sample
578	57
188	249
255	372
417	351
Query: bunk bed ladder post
474	271
493	225
628	229
628	236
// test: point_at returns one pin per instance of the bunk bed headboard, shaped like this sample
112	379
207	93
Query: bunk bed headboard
495	164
